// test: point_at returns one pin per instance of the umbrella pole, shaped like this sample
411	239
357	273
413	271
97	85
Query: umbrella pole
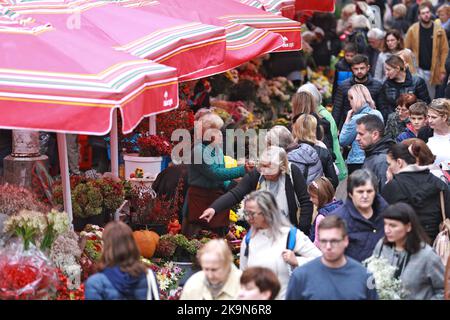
152	124
64	168
114	145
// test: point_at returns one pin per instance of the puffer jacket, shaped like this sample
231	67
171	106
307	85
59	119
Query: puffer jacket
306	158
362	233
101	286
418	187
341	104
326	160
348	135
376	159
343	72
391	90
395	126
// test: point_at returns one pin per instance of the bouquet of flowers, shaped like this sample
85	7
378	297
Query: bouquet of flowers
36	227
168	277
64	290
180	118
13	199
25	275
387	286
65	254
94	243
177	247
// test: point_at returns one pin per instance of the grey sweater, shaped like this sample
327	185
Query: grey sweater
423	276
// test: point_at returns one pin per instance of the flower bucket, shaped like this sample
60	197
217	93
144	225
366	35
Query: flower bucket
151	166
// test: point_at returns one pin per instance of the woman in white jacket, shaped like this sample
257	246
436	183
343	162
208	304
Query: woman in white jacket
267	242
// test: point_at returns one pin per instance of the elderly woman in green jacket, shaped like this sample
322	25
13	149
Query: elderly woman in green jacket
208	178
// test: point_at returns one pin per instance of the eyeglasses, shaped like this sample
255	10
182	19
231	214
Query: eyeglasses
249	214
333	242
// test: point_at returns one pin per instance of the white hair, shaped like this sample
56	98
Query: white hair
279	136
360	21
376	33
312	89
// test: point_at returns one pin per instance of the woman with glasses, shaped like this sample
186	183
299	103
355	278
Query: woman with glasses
405	247
267	245
361	104
398	120
273	174
362	212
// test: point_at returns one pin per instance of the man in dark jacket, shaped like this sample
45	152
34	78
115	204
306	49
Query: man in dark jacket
399	80
360	69
369	134
362	213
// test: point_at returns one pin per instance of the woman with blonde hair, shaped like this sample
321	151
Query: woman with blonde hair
122	275
219	277
361	104
409	59
304	132
439	121
284	181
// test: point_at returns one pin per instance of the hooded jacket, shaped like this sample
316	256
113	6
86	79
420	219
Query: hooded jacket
376	159
391	90
363	233
306	158
418	187
113	284
348	135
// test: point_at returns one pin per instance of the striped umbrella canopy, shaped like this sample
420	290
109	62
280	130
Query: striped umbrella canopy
234	12
315	5
243	43
188	46
286	8
62	81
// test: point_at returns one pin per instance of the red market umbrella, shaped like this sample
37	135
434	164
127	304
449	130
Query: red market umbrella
286	8
188	46
315	5
243	43
234	12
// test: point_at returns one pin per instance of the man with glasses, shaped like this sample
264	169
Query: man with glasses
333	276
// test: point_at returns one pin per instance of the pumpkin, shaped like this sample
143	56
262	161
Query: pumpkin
147	241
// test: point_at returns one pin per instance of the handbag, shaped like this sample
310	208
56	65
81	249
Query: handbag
200	199
441	244
152	290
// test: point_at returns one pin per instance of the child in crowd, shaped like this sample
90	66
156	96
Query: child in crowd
322	193
418	120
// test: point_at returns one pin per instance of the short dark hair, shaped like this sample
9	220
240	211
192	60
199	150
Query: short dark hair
333	222
359	178
264	278
350	47
395	61
372	123
423	5
419	109
360	58
404	213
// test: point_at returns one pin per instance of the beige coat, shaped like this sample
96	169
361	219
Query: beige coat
440	49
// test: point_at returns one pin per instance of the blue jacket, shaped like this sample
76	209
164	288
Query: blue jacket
100	287
325	211
363	234
348	135
407	134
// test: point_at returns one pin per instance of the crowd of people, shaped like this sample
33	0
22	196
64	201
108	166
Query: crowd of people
386	142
